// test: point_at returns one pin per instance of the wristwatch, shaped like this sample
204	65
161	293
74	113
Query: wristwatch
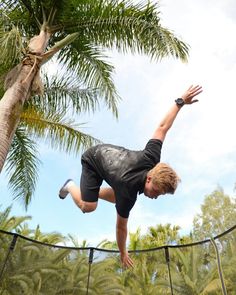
179	101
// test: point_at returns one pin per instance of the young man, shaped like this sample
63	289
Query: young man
128	173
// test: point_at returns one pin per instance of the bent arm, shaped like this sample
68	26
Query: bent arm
121	237
167	121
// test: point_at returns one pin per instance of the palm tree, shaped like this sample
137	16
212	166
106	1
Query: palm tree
43	120
29	266
76	34
162	235
33	268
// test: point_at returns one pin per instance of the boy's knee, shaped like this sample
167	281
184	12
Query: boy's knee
89	207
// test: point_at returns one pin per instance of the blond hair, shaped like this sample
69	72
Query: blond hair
165	178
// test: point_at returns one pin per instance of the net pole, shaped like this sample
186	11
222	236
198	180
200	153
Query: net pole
167	254
11	248
224	291
90	263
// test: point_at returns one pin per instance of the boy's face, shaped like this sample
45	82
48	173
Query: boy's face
151	190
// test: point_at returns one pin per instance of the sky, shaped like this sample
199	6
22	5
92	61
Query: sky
201	145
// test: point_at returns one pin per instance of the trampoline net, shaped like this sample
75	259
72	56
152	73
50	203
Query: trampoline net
34	268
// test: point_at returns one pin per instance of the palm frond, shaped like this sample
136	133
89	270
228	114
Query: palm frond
65	92
212	287
54	128
22	166
50	238
126	27
138	35
4	215
21	15
11	46
11	223
74	240
91	67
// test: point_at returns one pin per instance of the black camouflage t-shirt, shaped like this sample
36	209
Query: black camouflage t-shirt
125	170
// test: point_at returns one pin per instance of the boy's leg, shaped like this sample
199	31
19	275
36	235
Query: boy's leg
71	188
90	183
75	192
107	194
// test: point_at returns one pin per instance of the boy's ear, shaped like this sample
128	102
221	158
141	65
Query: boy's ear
149	178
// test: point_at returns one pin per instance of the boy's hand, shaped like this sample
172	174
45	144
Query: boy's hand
126	260
190	93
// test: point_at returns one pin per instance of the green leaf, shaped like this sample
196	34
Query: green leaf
67	93
11	47
88	62
54	128
22	166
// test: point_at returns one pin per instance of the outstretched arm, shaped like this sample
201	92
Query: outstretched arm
121	236
166	123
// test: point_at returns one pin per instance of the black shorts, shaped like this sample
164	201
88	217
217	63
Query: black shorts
90	182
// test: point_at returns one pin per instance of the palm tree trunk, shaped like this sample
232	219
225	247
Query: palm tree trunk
10	109
12	102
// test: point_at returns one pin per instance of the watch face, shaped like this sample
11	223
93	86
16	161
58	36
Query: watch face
179	101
